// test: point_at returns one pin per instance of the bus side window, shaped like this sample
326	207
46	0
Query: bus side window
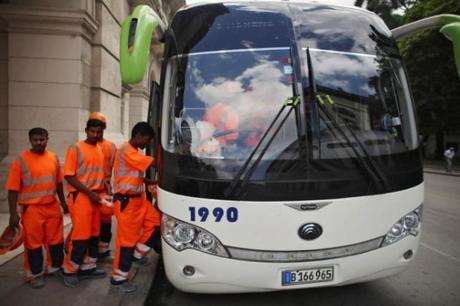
391	120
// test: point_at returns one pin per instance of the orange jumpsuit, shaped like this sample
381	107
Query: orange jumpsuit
34	177
86	163
108	148
136	216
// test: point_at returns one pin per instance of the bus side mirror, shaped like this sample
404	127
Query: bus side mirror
450	27
135	40
452	32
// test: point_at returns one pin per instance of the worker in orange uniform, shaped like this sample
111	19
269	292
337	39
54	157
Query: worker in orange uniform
136	216
108	148
84	170
34	179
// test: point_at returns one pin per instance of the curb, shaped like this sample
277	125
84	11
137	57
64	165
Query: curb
441	172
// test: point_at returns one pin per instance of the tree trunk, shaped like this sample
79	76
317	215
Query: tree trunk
439	145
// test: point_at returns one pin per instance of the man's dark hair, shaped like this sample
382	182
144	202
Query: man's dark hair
38	131
142	128
94	123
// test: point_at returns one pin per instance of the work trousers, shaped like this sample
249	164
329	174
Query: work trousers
106	228
43	228
136	222
448	164
84	238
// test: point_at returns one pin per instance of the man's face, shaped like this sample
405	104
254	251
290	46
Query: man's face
101	137
38	143
93	134
143	140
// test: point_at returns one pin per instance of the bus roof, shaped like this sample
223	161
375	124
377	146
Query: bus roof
226	25
189	3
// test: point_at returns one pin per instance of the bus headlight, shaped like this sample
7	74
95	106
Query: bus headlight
181	235
410	224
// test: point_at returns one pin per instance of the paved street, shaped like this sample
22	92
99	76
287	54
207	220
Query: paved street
433	279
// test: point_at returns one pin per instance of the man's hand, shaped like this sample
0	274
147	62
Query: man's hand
153	189
148	181
14	219
94	197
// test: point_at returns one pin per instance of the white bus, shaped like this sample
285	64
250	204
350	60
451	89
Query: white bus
288	152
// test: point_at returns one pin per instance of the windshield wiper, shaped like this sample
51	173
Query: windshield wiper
236	186
368	163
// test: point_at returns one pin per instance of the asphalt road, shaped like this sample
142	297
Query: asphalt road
432	279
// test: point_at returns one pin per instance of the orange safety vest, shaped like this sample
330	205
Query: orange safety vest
90	166
109	149
38	179
126	178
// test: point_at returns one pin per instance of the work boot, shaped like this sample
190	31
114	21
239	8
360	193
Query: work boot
69	280
143	261
37	282
52	270
91	274
125	286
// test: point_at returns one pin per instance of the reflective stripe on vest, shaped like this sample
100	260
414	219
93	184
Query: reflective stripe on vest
29	182
82	169
128	187
123	172
32	195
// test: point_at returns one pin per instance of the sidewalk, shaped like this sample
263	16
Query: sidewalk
440	171
439	167
13	291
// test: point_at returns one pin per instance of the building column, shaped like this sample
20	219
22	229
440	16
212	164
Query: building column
3	89
125	96
138	104
49	59
48	76
106	89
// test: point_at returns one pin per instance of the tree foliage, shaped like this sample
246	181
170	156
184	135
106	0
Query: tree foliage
430	64
387	9
431	69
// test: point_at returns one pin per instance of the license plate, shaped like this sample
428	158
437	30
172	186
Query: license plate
307	276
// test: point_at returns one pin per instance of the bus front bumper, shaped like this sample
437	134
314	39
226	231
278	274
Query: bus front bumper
213	274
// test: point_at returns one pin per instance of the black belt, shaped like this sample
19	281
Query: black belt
129	196
75	193
124	199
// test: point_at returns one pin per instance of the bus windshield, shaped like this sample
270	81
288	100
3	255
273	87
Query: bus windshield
218	104
363	98
222	102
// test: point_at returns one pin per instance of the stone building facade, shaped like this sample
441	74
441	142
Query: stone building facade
59	61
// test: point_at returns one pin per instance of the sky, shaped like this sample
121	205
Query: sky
342	2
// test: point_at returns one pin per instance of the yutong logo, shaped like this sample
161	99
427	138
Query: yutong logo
310	231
